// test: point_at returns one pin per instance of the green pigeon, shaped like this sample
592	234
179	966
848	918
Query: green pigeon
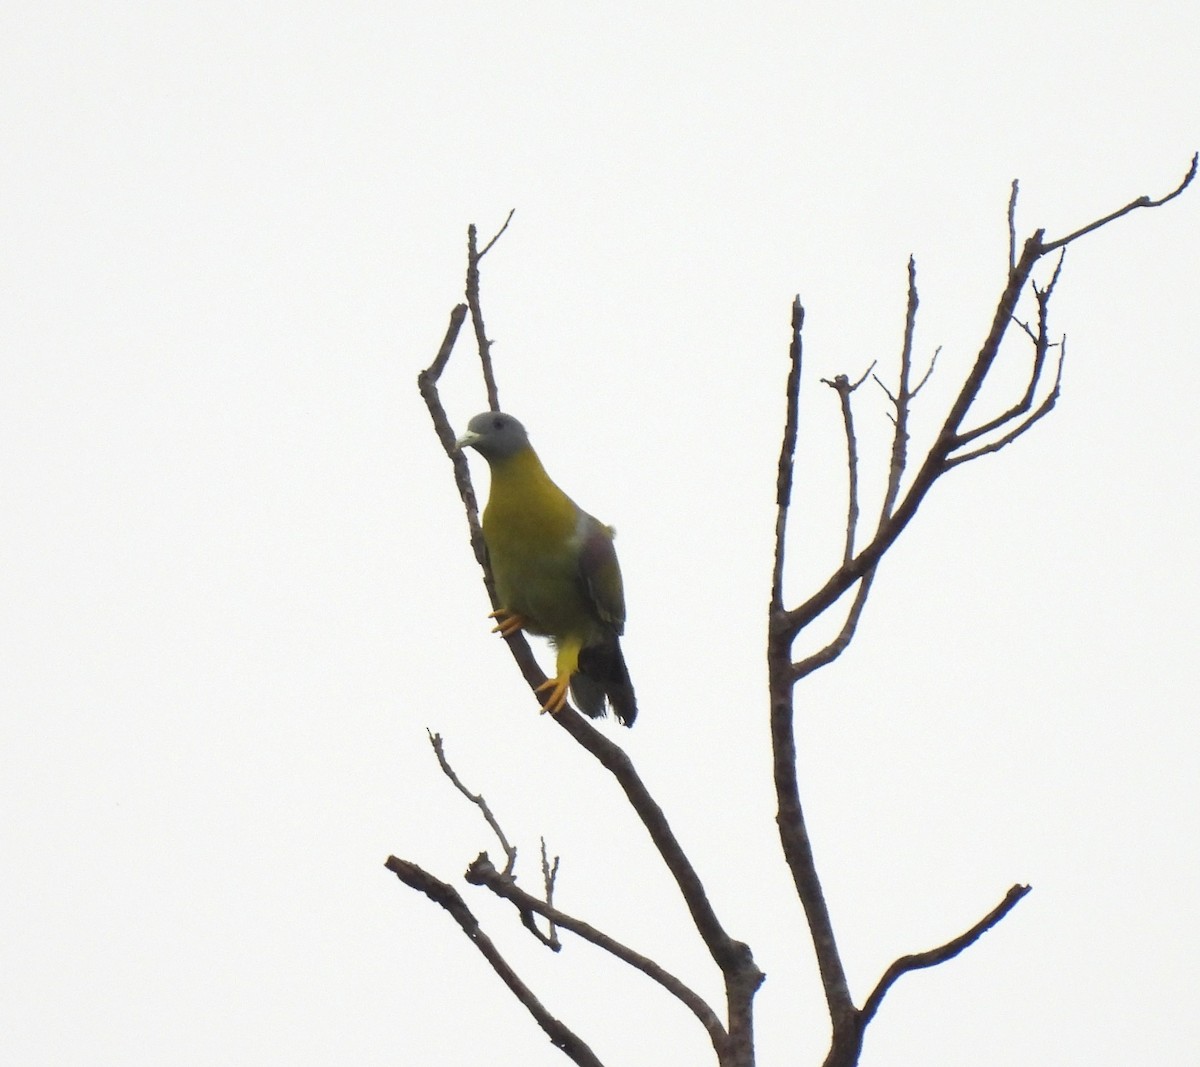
556	572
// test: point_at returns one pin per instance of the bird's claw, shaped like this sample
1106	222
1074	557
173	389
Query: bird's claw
557	699
507	622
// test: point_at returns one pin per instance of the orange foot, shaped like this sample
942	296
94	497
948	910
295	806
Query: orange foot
557	699
507	622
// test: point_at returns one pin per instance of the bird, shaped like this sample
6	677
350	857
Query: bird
556	572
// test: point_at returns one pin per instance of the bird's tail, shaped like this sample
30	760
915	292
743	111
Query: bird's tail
602	675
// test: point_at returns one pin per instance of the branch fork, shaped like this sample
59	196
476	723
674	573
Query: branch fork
954	445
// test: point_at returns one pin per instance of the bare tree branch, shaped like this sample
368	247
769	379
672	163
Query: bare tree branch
928	373
945	952
483	872
1012	226
787	452
741	974
793	831
510	852
1133	205
901	402
791	621
847	1023
427	385
549	877
1040	346
905	492
550	940
826	655
729	954
843	387
789	818
797	846
935	463
899	507
1040	412
903	399
561	1036
427	379
499	233
483	344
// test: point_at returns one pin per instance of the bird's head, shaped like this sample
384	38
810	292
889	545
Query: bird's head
494	435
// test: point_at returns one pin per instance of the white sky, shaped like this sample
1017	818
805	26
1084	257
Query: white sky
236	586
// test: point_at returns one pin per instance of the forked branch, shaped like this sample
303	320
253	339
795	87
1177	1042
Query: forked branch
792	621
483	872
550	940
561	1036
1014	415
959	439
952	446
483	343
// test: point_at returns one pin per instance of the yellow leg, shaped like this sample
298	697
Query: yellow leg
568	664
507	622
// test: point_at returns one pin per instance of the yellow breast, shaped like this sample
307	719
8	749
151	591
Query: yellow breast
532	532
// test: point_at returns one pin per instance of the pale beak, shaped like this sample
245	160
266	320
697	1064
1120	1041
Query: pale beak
465	441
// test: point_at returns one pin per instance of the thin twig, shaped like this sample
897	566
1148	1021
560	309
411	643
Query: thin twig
483	872
549	877
1040	347
550	940
529	921
843	387
928	373
901	402
428	378
826	655
934	956
919	386
1012	226
561	1036
903	399
427	385
482	343
499	233
787	452
1040	412
510	851
1133	205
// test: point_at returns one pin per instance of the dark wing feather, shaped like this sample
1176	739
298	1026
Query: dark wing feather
602	672
601	574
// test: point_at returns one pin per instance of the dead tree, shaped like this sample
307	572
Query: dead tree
1033	271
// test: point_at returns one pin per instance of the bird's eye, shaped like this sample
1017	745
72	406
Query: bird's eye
497	424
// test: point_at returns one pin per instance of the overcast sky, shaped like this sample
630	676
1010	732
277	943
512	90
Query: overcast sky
236	587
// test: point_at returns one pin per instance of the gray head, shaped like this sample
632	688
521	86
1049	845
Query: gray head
494	435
